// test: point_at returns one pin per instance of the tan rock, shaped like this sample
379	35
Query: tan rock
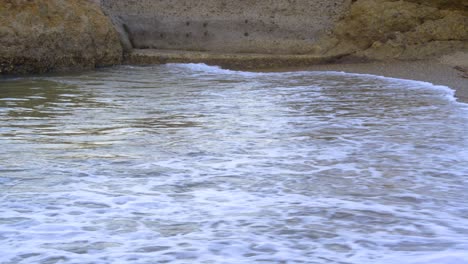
55	35
390	29
225	26
456	59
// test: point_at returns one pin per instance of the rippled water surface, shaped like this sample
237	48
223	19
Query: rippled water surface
192	164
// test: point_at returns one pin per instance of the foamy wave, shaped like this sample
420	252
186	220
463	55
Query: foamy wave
204	68
446	92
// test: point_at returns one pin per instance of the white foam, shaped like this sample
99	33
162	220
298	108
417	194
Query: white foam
447	92
195	164
452	257
204	68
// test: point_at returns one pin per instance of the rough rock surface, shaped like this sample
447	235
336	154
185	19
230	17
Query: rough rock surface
38	36
51	35
236	61
405	30
366	29
225	26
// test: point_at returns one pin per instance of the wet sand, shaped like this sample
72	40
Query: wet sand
433	71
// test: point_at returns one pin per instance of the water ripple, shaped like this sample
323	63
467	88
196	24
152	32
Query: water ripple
193	164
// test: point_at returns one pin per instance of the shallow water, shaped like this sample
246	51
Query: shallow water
193	164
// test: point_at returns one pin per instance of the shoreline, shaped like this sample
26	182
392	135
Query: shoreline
432	71
450	71
438	71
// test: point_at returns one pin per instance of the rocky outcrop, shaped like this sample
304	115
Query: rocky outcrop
50	35
225	26
405	30
54	35
356	29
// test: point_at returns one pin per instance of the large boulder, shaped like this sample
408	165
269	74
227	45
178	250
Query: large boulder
389	29
38	36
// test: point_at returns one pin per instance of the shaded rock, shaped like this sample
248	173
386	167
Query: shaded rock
55	35
224	26
446	4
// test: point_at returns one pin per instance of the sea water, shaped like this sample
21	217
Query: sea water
187	163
